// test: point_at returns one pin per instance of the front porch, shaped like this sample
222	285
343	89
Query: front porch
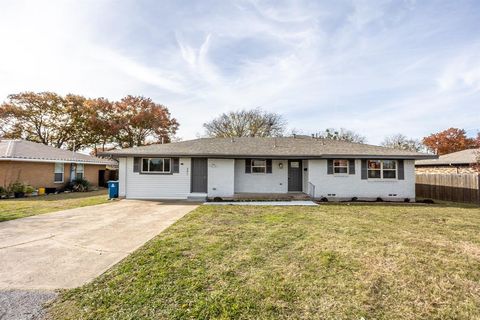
290	196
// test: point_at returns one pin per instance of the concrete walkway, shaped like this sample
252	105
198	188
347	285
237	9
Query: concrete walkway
68	248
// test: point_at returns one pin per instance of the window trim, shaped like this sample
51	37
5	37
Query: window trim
264	166
346	166
381	169
156	172
62	172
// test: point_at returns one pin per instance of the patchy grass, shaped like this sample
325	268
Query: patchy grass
326	262
19	208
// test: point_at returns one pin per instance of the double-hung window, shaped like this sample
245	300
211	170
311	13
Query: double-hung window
156	165
382	169
80	171
340	166
259	166
59	172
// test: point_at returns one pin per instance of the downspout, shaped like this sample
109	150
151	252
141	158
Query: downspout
72	168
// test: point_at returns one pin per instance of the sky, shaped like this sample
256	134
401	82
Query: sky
376	67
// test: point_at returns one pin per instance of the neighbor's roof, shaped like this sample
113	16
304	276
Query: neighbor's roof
299	147
21	150
468	156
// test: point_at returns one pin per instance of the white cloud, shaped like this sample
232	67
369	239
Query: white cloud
463	71
321	66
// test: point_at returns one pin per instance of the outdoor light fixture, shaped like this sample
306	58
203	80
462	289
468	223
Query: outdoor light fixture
280	165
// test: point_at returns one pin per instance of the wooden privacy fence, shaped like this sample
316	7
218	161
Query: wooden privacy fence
449	187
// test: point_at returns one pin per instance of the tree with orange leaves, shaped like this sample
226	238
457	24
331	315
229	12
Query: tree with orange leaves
450	140
141	121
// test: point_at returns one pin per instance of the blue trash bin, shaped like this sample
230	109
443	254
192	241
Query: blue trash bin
113	189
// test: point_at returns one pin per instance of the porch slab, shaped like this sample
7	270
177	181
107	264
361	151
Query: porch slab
262	203
290	196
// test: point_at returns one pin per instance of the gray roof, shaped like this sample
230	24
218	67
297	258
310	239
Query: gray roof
299	147
21	150
466	157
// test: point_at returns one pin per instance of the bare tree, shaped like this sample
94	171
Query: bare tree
246	123
401	142
342	134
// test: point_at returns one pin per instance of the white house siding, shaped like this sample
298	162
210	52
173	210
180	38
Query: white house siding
122	170
305	175
157	186
221	177
348	186
275	182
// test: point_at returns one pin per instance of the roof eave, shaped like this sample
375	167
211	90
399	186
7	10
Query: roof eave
55	160
242	156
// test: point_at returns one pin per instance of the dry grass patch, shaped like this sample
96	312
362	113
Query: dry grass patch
326	262
20	208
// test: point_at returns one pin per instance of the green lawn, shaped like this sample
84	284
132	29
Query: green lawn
20	208
326	262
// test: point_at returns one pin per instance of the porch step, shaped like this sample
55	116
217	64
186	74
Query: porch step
271	196
198	198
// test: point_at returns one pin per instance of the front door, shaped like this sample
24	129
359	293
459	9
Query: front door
101	178
199	175
294	175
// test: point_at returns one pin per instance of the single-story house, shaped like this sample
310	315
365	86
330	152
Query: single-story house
465	161
241	167
40	165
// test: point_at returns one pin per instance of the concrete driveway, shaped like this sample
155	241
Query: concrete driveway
68	248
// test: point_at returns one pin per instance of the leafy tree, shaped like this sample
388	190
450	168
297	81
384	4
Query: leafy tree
140	121
46	118
448	141
102	124
401	142
75	122
246	123
342	134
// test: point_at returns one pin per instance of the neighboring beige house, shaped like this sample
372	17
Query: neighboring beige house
466	161
39	165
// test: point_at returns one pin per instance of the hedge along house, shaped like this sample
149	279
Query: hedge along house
232	168
44	166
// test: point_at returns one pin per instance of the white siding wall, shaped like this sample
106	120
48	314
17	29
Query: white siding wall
122	170
221	177
349	186
275	182
305	175
157	186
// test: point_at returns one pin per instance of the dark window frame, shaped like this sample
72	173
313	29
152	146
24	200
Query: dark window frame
148	171
264	166
346	166
382	170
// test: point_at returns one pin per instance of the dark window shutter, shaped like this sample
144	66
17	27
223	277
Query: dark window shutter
269	165
176	165
351	166
248	165
401	170
329	166
136	164
364	170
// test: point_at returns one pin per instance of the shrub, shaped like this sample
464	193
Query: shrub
17	187
29	189
3	191
79	185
